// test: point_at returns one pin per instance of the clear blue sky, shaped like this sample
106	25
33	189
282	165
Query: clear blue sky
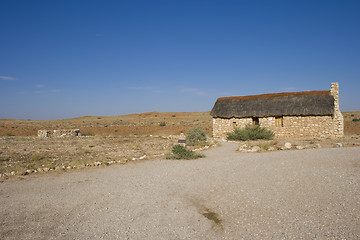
62	59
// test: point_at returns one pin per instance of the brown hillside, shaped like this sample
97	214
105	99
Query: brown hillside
157	123
138	124
352	122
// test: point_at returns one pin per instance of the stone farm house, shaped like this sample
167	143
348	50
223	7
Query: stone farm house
289	114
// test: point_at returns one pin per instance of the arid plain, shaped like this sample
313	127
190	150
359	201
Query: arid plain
119	139
67	194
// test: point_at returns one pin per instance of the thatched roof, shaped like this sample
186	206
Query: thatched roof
311	103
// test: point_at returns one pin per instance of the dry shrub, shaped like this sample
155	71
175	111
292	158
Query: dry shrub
195	135
250	133
180	152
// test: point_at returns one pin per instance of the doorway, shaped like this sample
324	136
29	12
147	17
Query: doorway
255	121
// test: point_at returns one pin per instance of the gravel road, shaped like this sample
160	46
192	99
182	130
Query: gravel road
303	194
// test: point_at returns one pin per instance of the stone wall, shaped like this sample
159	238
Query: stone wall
338	117
59	133
292	126
223	125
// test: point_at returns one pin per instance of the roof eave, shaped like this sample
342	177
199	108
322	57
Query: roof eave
284	115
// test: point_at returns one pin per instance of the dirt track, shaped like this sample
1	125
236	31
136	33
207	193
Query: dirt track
307	194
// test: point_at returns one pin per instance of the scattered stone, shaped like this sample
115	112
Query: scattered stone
287	145
46	169
143	157
339	145
242	148
271	149
255	149
97	163
317	145
12	173
300	147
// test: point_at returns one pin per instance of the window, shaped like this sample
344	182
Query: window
279	121
255	121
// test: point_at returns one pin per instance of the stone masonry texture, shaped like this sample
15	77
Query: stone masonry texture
292	126
59	133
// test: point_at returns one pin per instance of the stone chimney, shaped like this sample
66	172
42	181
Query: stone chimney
334	91
338	117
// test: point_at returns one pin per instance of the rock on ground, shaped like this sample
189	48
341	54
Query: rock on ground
308	194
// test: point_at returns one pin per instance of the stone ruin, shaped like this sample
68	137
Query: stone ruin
59	133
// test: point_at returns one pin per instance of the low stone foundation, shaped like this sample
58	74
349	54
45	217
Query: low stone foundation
59	133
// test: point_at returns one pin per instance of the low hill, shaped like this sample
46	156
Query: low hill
156	123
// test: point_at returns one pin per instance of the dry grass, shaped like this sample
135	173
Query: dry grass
351	127
135	124
117	139
19	154
299	143
156	123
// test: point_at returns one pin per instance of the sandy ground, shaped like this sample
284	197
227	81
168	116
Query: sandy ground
299	194
21	154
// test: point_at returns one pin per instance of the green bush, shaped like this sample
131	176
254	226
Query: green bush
180	152
88	134
195	135
356	119
250	133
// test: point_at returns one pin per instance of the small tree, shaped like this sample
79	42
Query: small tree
250	133
195	135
